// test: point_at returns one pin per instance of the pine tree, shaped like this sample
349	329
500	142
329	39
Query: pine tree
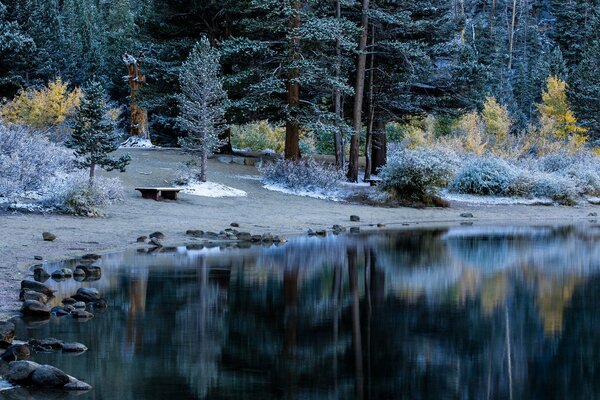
15	47
202	102
94	136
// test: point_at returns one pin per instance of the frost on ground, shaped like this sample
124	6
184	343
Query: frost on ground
494	200
306	192
136	142
212	189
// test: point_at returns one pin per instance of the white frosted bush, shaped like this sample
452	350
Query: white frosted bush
73	194
28	160
486	176
414	175
305	174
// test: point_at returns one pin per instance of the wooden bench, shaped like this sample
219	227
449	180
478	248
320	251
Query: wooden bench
373	181
158	193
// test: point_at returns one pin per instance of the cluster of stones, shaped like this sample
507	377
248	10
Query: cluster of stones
28	373
235	235
83	272
35	296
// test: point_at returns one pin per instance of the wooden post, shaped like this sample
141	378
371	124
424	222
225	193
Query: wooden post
139	116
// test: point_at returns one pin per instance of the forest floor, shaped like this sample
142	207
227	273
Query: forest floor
260	211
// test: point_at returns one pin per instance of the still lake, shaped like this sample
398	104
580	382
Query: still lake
456	313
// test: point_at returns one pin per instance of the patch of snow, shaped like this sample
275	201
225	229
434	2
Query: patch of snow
316	194
494	200
137	142
268	152
248	177
212	189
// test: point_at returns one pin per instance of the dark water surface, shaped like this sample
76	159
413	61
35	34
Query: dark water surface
459	313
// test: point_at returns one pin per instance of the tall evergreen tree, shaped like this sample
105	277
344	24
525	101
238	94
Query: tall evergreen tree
93	136
202	102
15	46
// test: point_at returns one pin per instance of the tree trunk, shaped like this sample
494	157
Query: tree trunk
92	173
292	128
338	141
369	138
359	90
511	38
139	116
379	147
225	138
203	162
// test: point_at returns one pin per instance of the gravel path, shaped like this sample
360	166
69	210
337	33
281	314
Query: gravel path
259	212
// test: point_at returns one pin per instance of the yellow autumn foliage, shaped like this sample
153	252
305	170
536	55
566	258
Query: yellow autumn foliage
497	121
556	108
42	108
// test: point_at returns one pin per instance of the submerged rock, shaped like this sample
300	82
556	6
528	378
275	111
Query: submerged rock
62	273
40	274
37	287
7	333
86	295
69	300
74	347
466	215
81	314
354	218
35	308
77	385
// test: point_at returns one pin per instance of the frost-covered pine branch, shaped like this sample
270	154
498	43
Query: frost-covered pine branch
202	102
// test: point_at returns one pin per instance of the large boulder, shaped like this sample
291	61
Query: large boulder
37	287
21	371
34	308
7	333
86	295
49	377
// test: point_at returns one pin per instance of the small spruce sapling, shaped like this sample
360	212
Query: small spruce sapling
202	102
93	136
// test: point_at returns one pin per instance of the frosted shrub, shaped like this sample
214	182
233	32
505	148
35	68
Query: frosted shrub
305	174
414	175
73	194
486	176
28	160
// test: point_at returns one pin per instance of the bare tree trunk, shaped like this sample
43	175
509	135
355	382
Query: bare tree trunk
292	128
379	147
511	38
338	139
92	172
203	162
225	138
369	138
359	90
139	116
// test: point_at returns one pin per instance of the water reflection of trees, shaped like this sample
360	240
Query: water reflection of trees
464	313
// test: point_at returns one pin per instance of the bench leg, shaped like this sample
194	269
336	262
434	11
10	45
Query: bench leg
150	195
169	195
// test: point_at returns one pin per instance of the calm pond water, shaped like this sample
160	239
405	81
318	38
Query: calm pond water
459	313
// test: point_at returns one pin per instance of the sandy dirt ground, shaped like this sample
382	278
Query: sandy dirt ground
259	212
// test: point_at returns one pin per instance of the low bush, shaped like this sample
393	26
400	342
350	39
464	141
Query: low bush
73	194
28	160
486	176
414	175
305	174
